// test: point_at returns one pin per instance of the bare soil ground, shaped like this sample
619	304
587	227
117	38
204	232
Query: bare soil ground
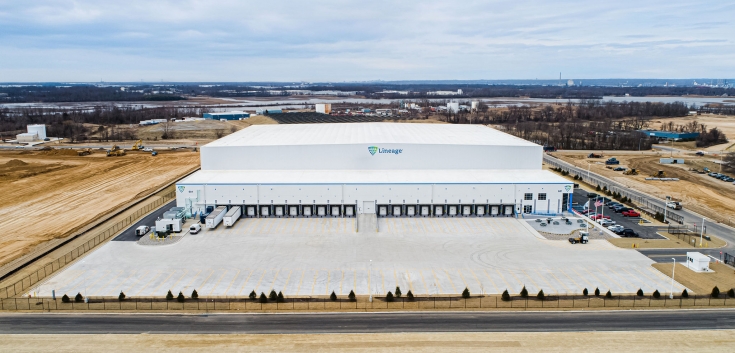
699	192
701	283
51	195
568	342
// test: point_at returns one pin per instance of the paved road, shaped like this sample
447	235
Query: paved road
718	229
370	322
150	220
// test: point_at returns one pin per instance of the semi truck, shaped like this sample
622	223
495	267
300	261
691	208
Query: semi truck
232	216
214	218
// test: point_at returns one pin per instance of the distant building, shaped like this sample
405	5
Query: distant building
233	115
36	132
445	93
268	111
671	135
324	108
453	107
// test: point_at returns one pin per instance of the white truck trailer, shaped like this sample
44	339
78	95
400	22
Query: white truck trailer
214	218
232	216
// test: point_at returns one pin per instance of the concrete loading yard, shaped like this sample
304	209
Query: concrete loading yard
299	189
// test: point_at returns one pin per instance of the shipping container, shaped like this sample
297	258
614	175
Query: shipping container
214	218
232	216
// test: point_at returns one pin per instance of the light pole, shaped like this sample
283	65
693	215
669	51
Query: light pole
701	233
370	274
673	271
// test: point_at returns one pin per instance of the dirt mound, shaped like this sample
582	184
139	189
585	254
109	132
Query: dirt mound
60	152
15	163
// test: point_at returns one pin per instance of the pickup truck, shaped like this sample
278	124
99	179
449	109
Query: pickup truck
674	204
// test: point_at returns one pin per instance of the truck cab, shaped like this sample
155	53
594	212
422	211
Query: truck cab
583	238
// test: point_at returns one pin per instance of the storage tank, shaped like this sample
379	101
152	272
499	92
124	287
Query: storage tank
38	129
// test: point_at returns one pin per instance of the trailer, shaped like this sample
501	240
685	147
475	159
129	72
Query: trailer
214	218
232	216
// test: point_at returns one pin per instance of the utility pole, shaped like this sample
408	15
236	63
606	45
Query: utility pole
673	271
701	233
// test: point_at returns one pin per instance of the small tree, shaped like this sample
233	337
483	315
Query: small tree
608	295
597	292
194	294
409	295
280	297
684	294
79	298
65	299
351	296
585	292
262	298
466	293
598	188
506	296
604	188
656	294
333	296
731	293
398	292
253	295
640	292
541	295
389	297
120	297
715	292
273	295
180	298
169	295
524	292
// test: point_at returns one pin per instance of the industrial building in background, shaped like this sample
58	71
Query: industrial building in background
36	132
233	115
324	108
384	169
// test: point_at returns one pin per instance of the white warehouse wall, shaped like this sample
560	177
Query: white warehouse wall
357	156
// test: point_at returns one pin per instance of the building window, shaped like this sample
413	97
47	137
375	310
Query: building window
542	197
528	196
527	209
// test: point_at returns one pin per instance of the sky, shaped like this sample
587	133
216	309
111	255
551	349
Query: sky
331	40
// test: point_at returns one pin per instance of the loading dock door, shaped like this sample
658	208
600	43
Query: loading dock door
452	210
293	211
368	207
321	211
396	210
438	210
424	210
494	210
480	210
466	210
383	211
508	210
307	211
335	211
411	211
251	211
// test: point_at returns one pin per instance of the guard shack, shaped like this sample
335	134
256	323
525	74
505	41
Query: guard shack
697	262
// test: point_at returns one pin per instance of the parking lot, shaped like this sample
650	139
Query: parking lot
313	257
645	232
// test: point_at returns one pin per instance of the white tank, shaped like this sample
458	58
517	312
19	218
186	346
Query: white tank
38	129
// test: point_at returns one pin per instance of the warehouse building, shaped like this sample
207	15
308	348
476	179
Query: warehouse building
233	115
670	135
386	169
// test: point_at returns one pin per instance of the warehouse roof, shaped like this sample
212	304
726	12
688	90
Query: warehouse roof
369	133
473	176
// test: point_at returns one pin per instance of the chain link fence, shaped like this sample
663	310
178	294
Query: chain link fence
23	285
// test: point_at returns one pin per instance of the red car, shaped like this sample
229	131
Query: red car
631	213
599	216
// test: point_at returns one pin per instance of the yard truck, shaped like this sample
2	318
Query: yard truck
583	238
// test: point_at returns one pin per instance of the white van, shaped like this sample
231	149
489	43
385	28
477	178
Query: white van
195	228
142	230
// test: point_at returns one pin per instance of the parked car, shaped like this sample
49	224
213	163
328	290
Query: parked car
631	213
612	205
616	228
599	216
628	233
606	222
195	228
700	153
142	230
622	209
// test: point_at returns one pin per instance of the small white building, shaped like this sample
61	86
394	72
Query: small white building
324	108
671	160
36	132
697	262
453	107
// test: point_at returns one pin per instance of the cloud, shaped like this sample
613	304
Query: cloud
333	40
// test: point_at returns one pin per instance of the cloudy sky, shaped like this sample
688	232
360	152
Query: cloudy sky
330	40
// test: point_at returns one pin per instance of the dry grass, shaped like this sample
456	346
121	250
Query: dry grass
671	243
701	283
570	342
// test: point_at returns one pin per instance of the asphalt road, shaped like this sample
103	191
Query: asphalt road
718	229
370	322
149	220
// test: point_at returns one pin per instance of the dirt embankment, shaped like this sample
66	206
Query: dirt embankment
48	196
